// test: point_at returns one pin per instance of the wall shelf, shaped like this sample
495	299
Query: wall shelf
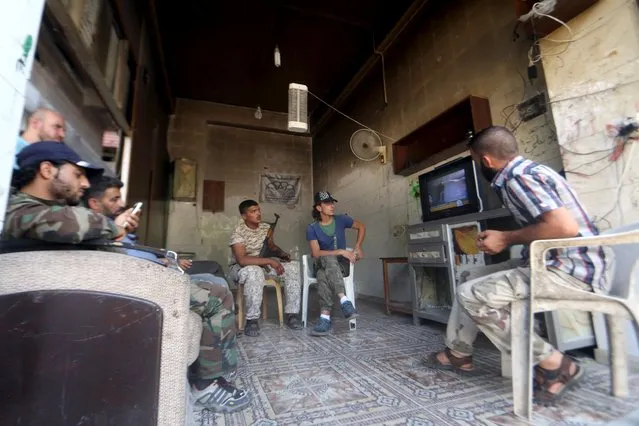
84	59
564	11
442	137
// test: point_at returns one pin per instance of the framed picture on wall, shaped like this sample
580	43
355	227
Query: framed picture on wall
184	180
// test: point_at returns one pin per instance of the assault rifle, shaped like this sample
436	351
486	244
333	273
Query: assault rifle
268	247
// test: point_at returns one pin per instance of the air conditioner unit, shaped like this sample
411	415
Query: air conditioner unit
297	108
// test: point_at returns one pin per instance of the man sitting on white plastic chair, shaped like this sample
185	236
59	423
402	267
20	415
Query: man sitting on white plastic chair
327	239
545	207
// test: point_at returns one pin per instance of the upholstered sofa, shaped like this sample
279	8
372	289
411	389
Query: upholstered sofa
93	337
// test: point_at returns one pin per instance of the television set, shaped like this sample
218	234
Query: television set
452	190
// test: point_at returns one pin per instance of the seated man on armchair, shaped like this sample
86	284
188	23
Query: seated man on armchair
251	270
50	183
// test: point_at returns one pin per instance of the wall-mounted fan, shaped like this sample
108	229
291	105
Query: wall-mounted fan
367	146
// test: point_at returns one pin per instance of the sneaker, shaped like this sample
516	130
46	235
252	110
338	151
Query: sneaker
293	322
349	310
322	327
221	397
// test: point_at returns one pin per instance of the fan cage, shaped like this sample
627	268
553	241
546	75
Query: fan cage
361	136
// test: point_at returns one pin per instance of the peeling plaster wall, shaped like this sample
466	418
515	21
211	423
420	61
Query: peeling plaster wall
593	81
458	48
235	156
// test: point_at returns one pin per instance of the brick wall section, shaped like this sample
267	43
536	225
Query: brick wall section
457	49
235	156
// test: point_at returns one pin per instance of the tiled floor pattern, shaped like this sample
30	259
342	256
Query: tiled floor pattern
373	376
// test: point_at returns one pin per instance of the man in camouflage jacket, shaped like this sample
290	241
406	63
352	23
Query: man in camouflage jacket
51	181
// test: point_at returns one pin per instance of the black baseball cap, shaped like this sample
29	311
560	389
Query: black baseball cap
57	152
324	197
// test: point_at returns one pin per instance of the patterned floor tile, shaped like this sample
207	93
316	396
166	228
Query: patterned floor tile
374	376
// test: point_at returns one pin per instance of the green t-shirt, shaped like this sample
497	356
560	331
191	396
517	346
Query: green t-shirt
329	230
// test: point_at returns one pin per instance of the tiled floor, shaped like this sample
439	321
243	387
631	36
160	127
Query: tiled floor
373	376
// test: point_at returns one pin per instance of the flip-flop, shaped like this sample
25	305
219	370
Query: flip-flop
454	363
545	378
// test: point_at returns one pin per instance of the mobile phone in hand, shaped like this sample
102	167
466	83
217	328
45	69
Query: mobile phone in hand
137	207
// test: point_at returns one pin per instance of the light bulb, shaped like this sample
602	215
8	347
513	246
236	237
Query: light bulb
277	57
258	113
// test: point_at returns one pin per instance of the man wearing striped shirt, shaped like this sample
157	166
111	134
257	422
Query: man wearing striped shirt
545	207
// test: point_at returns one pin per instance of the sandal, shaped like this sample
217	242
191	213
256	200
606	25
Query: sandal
252	328
544	379
454	363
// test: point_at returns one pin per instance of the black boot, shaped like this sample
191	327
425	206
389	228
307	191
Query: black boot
252	328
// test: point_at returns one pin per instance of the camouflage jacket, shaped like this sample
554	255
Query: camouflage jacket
33	218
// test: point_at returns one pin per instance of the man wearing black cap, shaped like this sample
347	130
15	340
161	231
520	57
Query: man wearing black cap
327	239
51	181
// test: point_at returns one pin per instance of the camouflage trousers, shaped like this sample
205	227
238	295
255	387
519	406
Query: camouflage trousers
330	280
213	302
483	303
252	277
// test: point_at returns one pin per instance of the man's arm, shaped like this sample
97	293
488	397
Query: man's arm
317	252
281	254
62	224
361	233
239	251
541	201
558	223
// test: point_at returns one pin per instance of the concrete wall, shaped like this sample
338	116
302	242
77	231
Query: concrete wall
592	82
458	48
236	156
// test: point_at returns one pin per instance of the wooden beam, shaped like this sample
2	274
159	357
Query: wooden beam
126	16
155	29
85	60
254	128
327	16
390	38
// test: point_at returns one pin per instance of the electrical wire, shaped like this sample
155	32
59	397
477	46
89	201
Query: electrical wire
536	10
350	118
620	184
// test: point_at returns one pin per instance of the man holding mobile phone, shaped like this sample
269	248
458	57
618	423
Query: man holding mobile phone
105	197
50	183
210	298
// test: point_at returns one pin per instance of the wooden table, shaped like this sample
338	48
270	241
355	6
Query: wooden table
385	262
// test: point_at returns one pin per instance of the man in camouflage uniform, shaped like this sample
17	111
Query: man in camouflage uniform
51	180
251	270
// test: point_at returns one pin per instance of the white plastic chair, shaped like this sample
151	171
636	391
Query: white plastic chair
309	278
619	305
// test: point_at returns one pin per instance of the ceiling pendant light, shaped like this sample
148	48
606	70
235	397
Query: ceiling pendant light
277	57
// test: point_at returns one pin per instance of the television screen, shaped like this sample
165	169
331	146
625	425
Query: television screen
448	191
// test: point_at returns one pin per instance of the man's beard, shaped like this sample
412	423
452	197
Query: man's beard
488	173
112	215
62	191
